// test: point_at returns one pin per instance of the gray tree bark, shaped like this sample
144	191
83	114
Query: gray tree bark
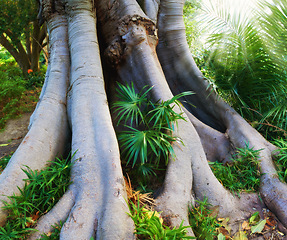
145	53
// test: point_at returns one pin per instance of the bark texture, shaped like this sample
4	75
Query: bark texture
146	49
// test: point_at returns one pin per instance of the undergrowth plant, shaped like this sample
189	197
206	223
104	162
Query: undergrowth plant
281	159
3	162
147	140
41	192
242	174
149	225
18	93
203	220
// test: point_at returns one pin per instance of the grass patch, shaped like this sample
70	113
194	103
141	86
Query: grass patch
149	225
242	174
41	192
281	159
202	218
3	162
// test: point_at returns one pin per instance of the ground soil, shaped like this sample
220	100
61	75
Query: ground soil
15	130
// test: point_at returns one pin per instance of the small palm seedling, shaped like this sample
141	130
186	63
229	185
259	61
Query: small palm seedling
41	192
242	174
148	138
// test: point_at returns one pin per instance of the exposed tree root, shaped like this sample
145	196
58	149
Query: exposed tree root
49	131
211	109
141	66
100	205
58	213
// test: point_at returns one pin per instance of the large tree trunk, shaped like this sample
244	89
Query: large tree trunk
146	54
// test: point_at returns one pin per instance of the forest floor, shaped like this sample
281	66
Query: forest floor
13	134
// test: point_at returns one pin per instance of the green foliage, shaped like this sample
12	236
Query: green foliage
15	16
148	138
245	58
149	226
6	58
3	162
191	29
281	159
35	79
41	192
17	93
242	173
12	86
203	221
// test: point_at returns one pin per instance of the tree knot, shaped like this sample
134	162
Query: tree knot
132	31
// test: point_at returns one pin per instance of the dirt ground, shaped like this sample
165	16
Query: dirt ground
13	134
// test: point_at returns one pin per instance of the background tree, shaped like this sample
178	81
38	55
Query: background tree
133	49
20	32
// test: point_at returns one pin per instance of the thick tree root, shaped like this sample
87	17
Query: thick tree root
49	130
100	207
211	109
59	213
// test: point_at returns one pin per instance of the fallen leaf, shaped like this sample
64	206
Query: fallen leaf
224	231
3	145
36	216
220	236
245	225
266	228
271	222
224	224
258	227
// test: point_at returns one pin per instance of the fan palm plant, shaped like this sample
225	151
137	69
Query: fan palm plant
148	138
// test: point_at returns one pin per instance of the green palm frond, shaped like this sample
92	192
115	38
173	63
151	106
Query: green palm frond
273	22
130	104
143	144
246	62
277	115
163	113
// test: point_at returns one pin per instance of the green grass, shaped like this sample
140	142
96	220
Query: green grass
242	174
148	225
41	192
203	221
281	159
3	162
